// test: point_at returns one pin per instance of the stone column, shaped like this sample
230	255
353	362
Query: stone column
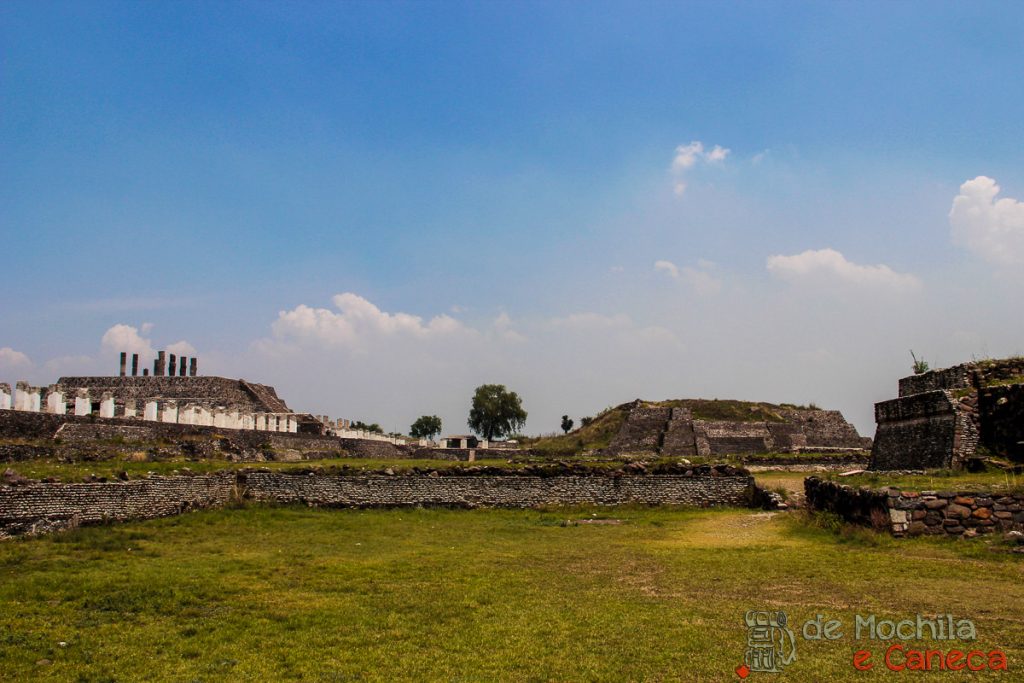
260	422
83	404
5	396
124	363
135	364
161	364
130	409
293	424
187	415
172	366
145	372
107	405
192	366
21	396
35	399
220	418
170	412
152	411
203	416
232	421
181	366
248	421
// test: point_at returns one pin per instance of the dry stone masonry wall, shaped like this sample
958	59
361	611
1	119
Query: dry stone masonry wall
942	418
42	507
913	513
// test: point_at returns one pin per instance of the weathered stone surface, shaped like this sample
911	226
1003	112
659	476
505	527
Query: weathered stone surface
675	432
903	513
958	511
44	507
942	417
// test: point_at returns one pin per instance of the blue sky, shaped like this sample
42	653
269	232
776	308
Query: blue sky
522	174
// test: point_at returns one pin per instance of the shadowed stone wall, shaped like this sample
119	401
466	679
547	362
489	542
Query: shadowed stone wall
44	507
913	513
942	417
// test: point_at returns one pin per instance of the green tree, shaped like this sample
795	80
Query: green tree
425	427
566	424
374	428
496	411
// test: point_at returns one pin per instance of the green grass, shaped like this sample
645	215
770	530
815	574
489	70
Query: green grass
992	480
595	436
76	471
289	593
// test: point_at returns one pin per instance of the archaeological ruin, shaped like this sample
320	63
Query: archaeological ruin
697	427
951	417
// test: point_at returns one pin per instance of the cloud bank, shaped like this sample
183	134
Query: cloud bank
830	267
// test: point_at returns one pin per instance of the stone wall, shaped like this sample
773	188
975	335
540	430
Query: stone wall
38	508
942	417
956	377
913	513
43	507
642	431
1002	426
201	390
501	491
918	431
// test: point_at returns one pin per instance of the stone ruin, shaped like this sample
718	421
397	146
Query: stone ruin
686	428
175	394
952	417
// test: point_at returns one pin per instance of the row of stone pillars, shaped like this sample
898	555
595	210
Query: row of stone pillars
176	365
343	428
30	399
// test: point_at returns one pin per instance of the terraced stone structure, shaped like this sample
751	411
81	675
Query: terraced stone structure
949	417
698	427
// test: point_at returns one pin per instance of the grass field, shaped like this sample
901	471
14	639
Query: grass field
289	593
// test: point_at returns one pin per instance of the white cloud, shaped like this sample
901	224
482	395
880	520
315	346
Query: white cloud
126	338
181	348
12	360
718	153
356	322
687	156
828	266
667	267
700	279
991	228
617	269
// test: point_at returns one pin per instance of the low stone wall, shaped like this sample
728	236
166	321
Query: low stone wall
500	491
43	507
913	513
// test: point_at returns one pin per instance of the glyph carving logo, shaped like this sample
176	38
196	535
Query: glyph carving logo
771	645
